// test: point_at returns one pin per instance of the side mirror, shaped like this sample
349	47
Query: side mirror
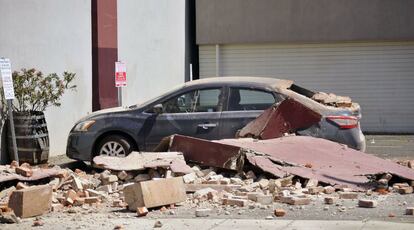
158	108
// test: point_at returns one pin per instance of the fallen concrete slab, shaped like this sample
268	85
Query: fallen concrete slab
286	117
144	160
38	174
208	153
306	157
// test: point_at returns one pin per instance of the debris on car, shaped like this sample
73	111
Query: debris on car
286	117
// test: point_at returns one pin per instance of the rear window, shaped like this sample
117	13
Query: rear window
249	99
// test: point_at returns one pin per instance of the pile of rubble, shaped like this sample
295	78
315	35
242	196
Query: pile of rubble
152	188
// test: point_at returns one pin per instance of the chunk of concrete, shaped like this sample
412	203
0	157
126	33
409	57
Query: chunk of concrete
32	201
155	193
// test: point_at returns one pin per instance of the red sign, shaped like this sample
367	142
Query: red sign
120	74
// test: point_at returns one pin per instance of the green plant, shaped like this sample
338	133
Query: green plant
35	91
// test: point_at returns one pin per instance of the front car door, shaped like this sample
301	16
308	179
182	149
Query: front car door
194	113
244	105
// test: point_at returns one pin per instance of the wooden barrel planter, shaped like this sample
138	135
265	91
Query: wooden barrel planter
32	137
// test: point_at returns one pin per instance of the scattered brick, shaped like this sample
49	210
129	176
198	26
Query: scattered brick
279	212
311	183
26	172
142	211
363	203
409	211
329	200
122	175
20	185
92	200
405	190
348	195
295	200
328	190
233	201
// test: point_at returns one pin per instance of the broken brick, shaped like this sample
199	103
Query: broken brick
92	200
264	199
329	200
311	183
142	211
367	203
315	190
405	190
27	172
409	211
328	190
279	212
108	179
122	175
20	185
348	195
32	201
234	201
295	200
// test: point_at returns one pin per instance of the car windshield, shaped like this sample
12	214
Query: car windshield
156	98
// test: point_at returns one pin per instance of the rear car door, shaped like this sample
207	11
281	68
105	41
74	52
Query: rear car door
242	106
194	113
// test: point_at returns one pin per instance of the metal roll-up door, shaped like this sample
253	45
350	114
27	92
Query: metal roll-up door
379	76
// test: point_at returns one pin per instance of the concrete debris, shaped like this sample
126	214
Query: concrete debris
285	117
279	212
157	224
332	99
409	211
332	163
363	203
204	212
7	216
155	193
143	160
32	201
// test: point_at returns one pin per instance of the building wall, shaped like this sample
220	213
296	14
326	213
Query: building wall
241	21
52	36
151	41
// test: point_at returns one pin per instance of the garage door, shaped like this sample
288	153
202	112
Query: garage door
380	76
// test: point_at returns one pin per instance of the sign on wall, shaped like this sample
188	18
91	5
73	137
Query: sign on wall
6	75
120	74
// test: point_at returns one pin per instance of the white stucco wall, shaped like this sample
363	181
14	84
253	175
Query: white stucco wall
53	36
151	41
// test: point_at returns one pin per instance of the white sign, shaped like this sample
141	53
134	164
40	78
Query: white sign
120	74
6	75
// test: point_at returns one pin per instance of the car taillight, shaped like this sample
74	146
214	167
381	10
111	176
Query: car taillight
344	122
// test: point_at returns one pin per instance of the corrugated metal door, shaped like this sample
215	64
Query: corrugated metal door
380	76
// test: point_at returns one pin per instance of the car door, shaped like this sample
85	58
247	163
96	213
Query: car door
244	105
193	113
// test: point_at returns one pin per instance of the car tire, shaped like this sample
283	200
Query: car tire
114	145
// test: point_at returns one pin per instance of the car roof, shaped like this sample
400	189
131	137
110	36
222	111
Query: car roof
243	81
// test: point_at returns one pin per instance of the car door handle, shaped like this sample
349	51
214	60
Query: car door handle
207	125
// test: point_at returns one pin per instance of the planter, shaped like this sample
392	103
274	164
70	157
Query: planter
32	137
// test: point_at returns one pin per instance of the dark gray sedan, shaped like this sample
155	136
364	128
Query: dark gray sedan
212	108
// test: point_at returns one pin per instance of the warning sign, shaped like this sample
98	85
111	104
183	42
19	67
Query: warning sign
6	76
120	74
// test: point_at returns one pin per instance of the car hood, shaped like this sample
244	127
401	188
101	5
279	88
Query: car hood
102	112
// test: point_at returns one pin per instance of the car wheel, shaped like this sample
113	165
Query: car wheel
115	146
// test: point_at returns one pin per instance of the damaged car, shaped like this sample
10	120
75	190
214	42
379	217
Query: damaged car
219	108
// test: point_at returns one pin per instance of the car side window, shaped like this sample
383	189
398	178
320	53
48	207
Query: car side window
249	99
204	100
